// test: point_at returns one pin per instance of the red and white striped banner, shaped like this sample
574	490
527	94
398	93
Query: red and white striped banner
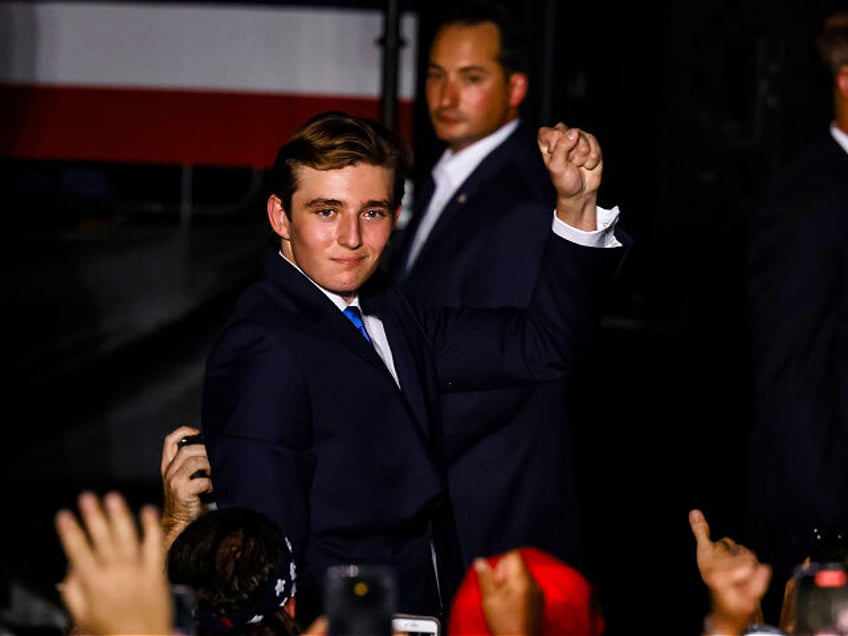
216	84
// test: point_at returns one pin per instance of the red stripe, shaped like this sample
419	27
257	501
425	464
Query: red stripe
162	126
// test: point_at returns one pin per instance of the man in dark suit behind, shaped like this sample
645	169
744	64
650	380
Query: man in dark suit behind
476	239
337	436
798	312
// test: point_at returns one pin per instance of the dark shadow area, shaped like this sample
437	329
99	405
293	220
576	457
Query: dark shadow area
109	310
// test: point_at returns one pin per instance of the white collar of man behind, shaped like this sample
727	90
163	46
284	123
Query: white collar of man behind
840	136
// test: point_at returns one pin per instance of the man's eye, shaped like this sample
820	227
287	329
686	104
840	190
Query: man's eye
474	79
375	213
433	76
324	212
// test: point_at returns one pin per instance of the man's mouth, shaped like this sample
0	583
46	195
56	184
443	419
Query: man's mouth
449	117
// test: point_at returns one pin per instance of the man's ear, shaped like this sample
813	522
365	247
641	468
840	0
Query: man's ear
517	89
277	216
396	215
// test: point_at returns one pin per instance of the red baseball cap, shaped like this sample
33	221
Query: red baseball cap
570	604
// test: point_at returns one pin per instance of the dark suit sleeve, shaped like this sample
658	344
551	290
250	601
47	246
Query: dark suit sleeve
256	424
496	348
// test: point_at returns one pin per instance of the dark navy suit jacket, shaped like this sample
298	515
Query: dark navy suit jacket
303	421
798	313
514	486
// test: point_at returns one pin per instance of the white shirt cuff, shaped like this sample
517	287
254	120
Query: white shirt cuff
604	236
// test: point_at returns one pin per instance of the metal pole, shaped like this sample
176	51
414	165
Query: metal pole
547	75
391	52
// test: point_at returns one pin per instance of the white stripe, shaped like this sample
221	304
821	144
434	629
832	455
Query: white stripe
320	51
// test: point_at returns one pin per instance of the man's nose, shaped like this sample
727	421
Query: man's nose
448	93
349	233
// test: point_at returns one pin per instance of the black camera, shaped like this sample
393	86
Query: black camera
193	439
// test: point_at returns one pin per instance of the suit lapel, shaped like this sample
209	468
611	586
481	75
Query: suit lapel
407	359
295	293
422	200
401	252
491	165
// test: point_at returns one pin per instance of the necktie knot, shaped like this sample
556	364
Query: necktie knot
355	316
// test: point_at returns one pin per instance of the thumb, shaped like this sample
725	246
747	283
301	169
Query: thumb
73	597
510	566
485	576
700	527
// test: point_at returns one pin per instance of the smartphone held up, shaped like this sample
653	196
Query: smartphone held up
361	599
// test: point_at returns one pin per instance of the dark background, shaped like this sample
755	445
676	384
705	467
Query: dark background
110	300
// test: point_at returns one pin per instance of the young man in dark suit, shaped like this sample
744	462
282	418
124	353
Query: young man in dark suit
798	318
335	433
476	239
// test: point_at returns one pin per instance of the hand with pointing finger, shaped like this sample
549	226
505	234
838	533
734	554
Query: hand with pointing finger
736	580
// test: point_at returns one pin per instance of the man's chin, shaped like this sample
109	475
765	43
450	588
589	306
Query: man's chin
346	288
448	132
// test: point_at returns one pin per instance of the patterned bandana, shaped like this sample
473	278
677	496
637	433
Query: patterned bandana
274	594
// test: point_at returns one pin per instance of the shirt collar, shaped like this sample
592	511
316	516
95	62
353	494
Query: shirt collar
840	136
455	167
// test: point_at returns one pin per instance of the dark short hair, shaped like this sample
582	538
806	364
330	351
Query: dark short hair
514	56
230	558
334	140
833	41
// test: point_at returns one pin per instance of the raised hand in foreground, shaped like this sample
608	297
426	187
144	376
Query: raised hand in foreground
736	580
116	581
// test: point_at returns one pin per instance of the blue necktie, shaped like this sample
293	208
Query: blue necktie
355	317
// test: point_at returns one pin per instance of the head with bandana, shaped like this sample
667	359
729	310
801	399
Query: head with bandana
239	565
